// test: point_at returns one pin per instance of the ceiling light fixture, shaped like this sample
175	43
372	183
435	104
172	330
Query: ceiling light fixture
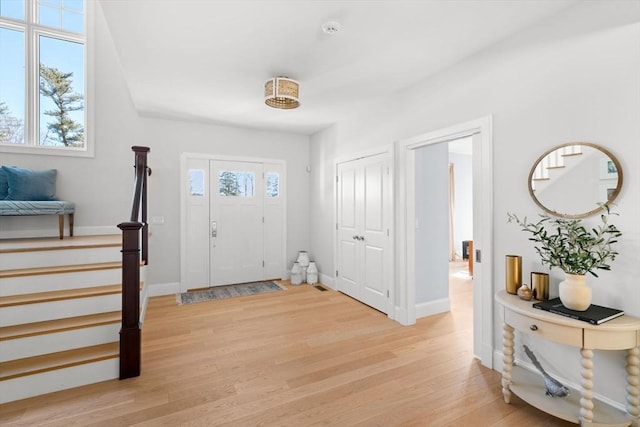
281	92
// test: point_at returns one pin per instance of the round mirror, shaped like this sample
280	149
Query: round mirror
571	179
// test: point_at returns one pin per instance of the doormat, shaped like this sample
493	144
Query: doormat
228	291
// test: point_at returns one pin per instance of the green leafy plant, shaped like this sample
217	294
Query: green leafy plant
567	244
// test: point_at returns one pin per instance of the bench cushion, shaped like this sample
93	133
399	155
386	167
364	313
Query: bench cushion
4	184
27	184
23	207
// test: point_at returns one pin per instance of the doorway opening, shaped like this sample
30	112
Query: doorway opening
411	166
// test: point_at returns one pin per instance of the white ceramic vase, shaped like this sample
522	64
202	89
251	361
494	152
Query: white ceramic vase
303	260
574	292
312	273
296	274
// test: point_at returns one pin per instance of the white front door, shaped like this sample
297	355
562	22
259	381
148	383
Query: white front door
233	220
236	222
364	264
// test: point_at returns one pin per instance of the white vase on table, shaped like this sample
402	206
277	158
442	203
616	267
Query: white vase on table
574	292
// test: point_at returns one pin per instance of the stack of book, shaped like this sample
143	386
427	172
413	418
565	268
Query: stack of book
595	314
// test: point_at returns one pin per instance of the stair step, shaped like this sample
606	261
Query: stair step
61	269
67	294
53	361
58	282
54	243
35	259
58	325
59	379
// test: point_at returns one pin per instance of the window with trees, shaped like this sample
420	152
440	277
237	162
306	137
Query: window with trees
42	78
273	184
236	183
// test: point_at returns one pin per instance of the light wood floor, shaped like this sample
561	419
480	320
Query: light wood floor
299	357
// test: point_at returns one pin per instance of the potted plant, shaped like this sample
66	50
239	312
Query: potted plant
569	245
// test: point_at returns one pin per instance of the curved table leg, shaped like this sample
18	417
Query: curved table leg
633	385
586	400
507	358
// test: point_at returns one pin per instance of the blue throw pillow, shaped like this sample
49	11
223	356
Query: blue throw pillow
26	184
4	184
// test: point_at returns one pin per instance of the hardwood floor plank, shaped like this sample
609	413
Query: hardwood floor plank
293	358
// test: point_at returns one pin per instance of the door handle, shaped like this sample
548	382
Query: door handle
214	228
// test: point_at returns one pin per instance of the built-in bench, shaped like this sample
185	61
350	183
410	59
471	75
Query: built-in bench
24	192
37	207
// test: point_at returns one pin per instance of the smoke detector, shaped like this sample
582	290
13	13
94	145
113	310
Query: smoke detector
331	27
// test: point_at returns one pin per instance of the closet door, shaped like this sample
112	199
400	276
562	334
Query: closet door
364	264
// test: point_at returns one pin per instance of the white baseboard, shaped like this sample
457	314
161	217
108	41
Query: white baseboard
144	299
401	316
486	356
328	281
433	307
159	289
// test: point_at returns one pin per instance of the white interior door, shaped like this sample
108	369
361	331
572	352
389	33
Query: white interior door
364	264
236	222
349	213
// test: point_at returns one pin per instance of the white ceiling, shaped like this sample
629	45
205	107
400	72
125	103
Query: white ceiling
207	60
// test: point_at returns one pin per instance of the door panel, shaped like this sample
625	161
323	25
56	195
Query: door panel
197	224
376	246
363	238
348	198
348	272
373	180
373	267
348	269
273	224
237	212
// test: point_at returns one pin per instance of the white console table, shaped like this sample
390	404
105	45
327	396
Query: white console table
622	333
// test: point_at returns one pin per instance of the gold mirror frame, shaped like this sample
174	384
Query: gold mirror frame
551	211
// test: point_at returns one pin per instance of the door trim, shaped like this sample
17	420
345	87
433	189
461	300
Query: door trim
184	186
405	243
388	150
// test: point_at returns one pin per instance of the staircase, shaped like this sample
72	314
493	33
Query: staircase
554	161
60	319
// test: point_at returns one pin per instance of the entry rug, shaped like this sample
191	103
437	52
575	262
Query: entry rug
228	291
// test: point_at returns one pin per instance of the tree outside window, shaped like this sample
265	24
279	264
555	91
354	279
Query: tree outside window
43	106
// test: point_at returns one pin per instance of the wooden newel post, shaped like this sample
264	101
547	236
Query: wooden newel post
130	335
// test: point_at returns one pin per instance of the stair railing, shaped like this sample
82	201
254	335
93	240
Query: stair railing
133	232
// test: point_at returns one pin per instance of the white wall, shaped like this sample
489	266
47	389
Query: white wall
573	77
463	199
322	204
432	223
102	186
